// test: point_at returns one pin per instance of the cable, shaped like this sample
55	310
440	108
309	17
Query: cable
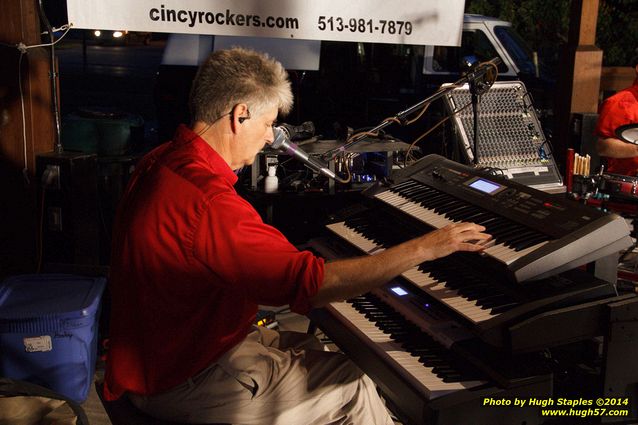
360	135
551	148
490	78
418	117
343	160
348	158
494	171
408	155
21	46
434	127
528	102
54	79
25	170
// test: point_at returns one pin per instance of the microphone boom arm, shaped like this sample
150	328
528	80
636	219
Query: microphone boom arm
473	75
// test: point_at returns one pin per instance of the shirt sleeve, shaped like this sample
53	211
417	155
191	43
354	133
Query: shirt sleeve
615	112
255	259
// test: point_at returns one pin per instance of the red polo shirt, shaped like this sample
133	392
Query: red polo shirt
618	110
191	262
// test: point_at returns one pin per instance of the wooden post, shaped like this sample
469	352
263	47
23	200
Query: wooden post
22	134
588	59
580	71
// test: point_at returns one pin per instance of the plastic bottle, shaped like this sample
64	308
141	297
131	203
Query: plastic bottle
271	183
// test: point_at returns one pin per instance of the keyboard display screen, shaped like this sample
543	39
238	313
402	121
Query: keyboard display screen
484	186
399	291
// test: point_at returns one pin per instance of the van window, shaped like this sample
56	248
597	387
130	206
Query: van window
516	47
473	43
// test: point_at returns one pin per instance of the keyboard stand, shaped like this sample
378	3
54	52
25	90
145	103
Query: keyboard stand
620	351
606	268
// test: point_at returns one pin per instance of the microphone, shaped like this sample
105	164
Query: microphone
472	65
299	132
282	142
481	75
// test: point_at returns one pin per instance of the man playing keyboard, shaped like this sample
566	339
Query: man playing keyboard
192	261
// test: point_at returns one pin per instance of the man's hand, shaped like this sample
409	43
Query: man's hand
452	238
347	278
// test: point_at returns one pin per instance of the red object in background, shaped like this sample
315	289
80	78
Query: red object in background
569	169
623	187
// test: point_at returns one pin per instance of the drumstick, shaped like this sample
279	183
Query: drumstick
578	165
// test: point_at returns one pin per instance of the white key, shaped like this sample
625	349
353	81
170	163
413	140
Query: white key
450	297
354	237
500	252
466	307
401	358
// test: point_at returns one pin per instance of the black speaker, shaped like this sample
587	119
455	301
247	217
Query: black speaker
583	137
68	208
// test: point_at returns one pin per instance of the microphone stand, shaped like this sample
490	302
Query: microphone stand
470	77
475	115
479	86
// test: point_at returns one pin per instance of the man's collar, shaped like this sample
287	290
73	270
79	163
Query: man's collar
185	135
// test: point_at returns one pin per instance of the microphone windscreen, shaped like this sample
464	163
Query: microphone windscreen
299	132
279	139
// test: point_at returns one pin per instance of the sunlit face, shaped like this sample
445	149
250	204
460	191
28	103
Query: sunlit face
254	134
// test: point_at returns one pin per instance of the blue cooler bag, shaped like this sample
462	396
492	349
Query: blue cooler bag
48	331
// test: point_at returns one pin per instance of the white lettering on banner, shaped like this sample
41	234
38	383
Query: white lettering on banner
437	22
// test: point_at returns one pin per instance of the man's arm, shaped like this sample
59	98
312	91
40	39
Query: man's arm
347	278
615	148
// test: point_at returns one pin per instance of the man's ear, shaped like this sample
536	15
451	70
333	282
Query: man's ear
239	114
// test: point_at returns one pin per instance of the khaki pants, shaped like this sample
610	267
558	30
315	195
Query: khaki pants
33	410
273	378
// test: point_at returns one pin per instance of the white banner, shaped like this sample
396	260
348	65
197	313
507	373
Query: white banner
435	22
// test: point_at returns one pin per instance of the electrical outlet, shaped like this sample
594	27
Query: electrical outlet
51	177
54	215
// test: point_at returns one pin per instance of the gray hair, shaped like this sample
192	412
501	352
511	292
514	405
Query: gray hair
230	77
